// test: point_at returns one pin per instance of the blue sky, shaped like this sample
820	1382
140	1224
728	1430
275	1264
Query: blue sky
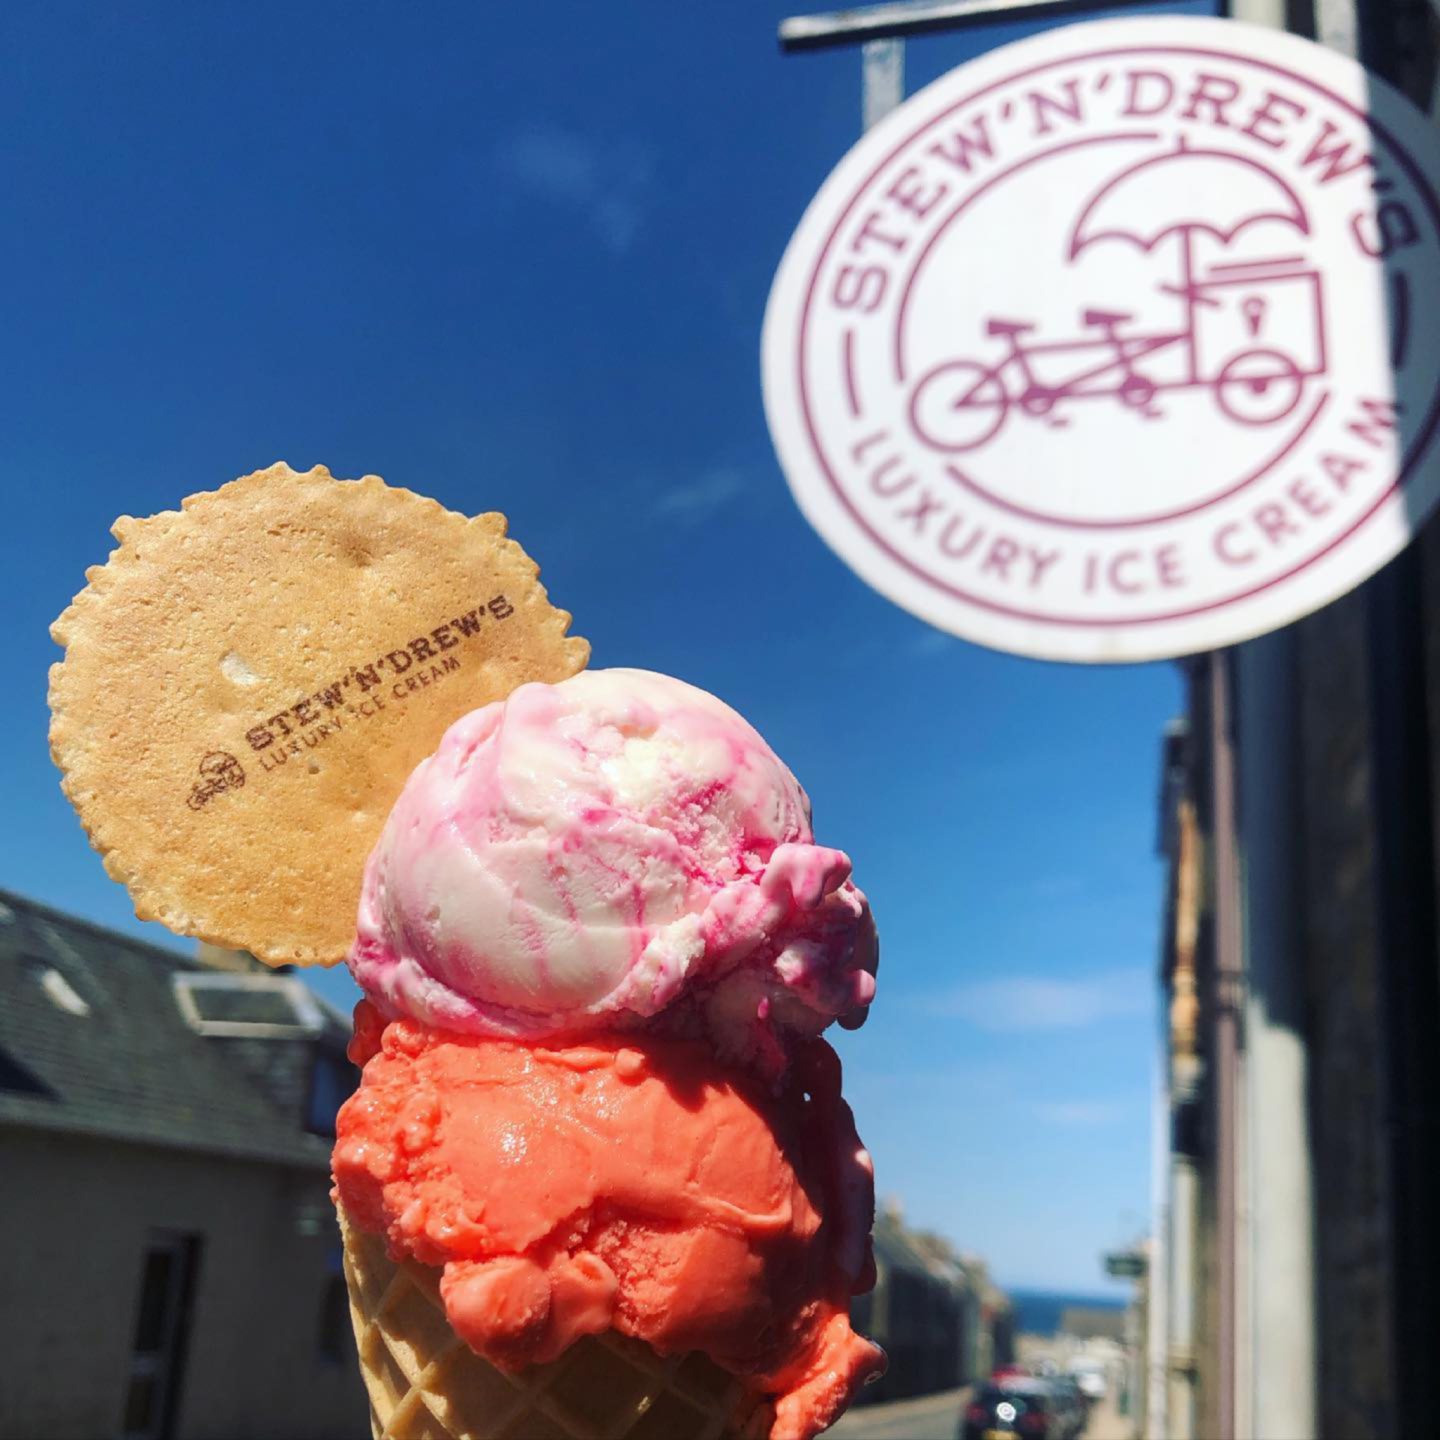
517	258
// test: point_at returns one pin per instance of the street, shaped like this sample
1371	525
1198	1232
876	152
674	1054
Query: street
930	1417
1107	1423
937	1417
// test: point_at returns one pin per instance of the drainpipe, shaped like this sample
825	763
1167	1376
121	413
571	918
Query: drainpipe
1181	1418
1153	1423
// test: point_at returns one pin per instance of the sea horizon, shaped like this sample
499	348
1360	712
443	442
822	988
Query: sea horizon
1037	1312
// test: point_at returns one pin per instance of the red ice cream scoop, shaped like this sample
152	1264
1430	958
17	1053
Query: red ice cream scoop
625	1183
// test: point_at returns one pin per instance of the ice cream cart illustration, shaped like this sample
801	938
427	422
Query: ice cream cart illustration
1220	344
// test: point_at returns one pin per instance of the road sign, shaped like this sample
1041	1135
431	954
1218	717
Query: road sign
1126	1265
1113	344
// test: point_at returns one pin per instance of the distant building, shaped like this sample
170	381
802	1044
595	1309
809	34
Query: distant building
1093	1322
990	1328
171	1267
937	1315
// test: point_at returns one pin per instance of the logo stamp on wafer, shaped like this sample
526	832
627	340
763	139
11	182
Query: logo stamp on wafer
219	772
248	682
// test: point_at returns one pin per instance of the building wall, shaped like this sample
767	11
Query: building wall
1347	1108
915	1317
1339	903
77	1216
1002	1334
941	1324
1360	864
1193	1399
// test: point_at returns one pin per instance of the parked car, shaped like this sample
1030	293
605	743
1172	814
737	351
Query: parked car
1010	1371
1022	1408
1090	1377
1074	1407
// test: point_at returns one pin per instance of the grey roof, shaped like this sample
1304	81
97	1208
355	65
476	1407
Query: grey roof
132	1069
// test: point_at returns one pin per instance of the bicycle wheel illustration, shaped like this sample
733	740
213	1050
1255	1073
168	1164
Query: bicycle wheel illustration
959	406
1258	387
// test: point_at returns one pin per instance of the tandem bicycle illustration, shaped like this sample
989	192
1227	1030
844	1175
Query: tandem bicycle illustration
1219	345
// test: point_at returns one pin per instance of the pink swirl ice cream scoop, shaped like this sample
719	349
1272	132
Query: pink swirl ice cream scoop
617	849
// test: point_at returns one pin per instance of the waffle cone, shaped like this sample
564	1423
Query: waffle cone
425	1383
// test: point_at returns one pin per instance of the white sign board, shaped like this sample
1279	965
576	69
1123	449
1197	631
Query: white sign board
1120	342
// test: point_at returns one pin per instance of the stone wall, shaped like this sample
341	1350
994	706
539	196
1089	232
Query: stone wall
1341	948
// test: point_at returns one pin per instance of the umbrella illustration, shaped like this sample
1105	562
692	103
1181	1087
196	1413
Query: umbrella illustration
1188	192
1184	192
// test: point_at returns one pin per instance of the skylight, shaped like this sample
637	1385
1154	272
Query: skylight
19	1079
257	1007
61	993
54	986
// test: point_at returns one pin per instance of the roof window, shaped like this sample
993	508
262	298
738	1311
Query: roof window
54	986
19	1079
256	1007
60	992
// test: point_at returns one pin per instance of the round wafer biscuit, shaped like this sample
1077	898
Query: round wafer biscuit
248	682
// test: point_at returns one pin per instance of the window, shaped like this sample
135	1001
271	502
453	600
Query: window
61	993
19	1079
332	1079
261	1007
162	1322
58	989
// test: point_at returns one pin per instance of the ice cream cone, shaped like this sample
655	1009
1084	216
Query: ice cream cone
597	939
425	1383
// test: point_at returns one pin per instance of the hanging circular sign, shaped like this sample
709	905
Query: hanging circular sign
1118	343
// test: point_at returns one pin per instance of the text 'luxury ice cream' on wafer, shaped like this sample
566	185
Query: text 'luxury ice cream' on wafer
597	1121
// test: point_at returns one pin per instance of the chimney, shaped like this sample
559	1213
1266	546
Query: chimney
237	962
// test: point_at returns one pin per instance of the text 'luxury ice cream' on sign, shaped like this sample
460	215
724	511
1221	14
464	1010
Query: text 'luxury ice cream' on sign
1113	344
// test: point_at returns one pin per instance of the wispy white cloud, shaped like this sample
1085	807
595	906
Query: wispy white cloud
691	503
1044	1002
899	638
606	183
1090	1113
930	642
